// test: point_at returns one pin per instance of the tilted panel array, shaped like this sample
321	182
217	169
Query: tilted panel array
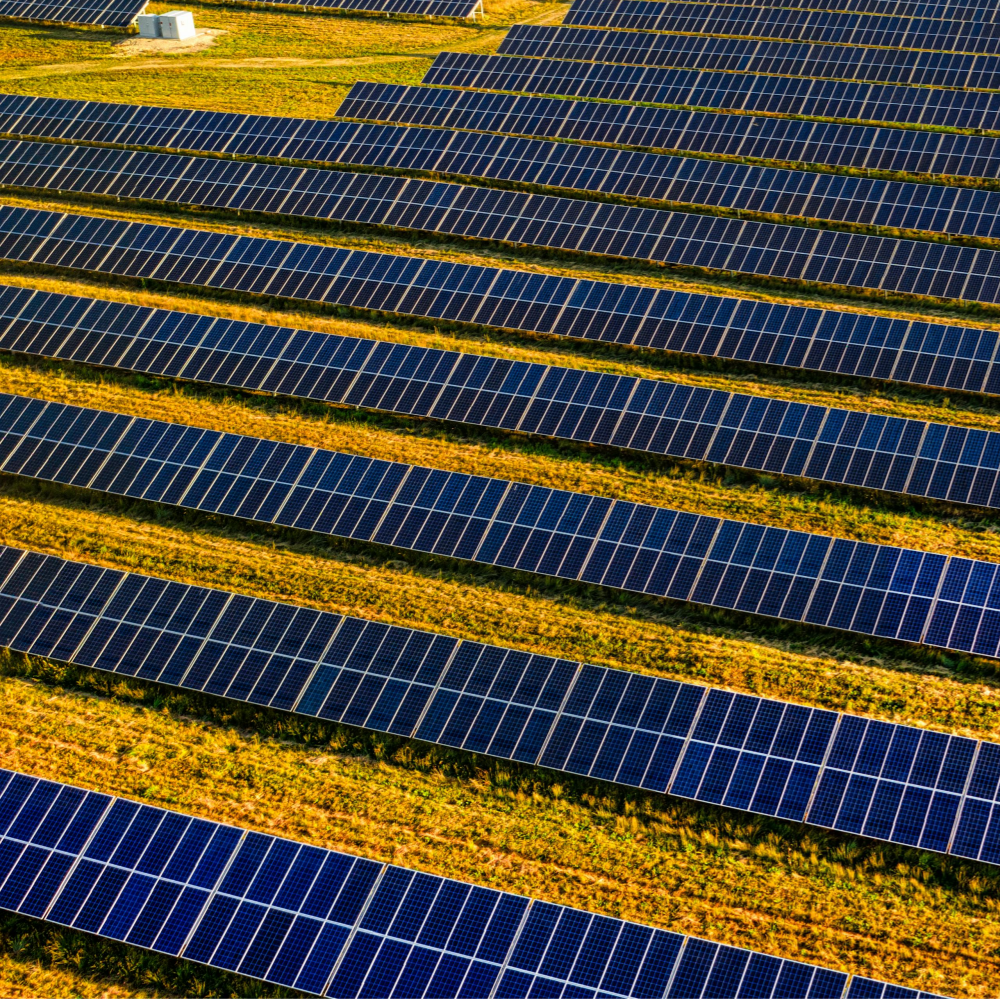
840	28
920	788
779	95
825	143
913	457
870	589
113	13
975	10
743	55
726	244
429	8
332	924
849	343
335	195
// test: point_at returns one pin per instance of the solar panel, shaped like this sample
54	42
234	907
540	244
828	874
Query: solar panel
870	589
754	754
976	10
327	923
905	456
678	180
718	243
865	102
826	143
427	8
843	28
743	55
762	332
111	13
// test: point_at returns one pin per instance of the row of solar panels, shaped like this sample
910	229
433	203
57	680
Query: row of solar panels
122	13
801	25
456	111
906	456
706	52
332	924
885	781
733	91
873	590
593	169
718	243
767	332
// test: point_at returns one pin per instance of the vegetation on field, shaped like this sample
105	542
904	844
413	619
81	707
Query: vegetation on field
906	916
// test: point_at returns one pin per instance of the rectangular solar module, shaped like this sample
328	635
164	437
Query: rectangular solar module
826	143
843	28
744	55
332	924
336	195
862	102
677	238
935	354
666	418
428	8
977	10
755	754
879	590
111	13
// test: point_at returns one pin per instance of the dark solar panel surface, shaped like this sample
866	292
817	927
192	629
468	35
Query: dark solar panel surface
289	190
117	13
430	8
827	143
332	924
854	586
925	353
755	754
843	28
865	102
728	244
905	456
977	10
743	55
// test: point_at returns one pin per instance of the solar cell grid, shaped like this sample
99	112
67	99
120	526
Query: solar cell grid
881	780
328	923
843	28
743	55
678	180
428	8
849	343
863	102
827	143
905	456
972	11
879	590
676	238
113	13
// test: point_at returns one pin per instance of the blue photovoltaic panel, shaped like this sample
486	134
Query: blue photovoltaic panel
368	198
678	238
332	924
776	95
975	10
583	121
113	13
429	8
879	590
843	28
925	353
826	143
906	456
746	55
890	782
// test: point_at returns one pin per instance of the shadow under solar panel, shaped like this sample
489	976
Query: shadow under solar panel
825	143
778	95
911	786
943	601
743	55
664	237
794	336
843	28
911	457
332	924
